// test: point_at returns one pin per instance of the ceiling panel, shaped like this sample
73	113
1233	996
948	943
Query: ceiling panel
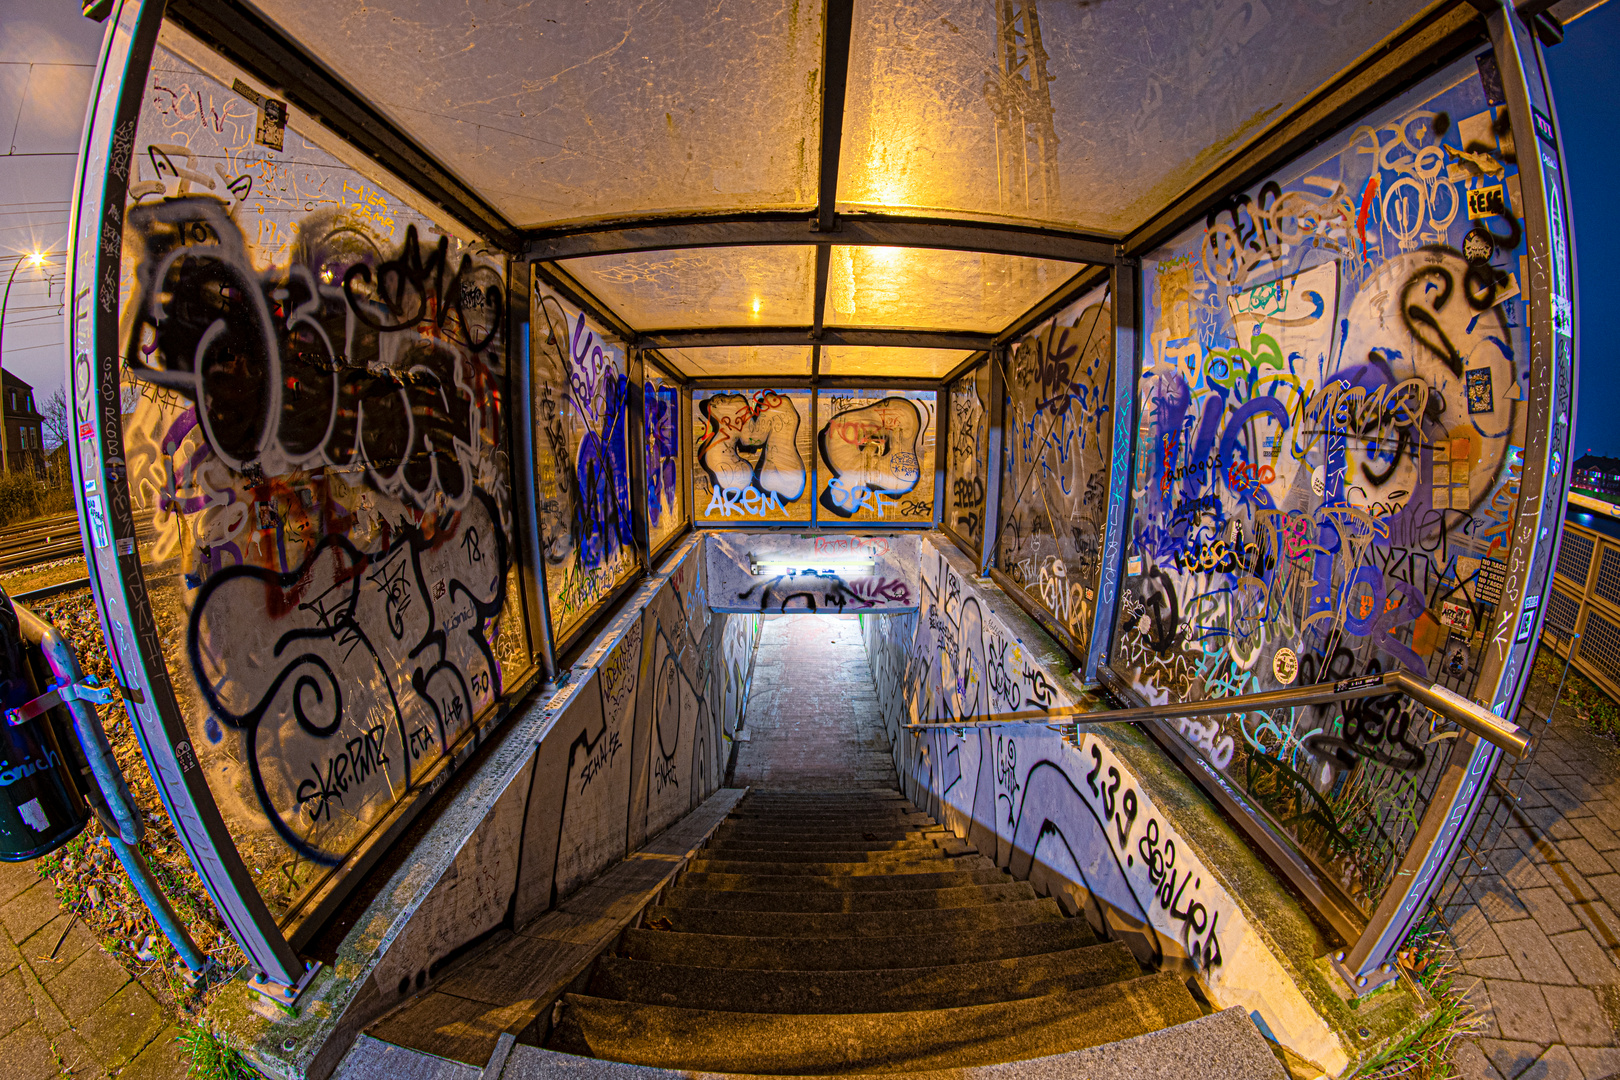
933	289
1081	115
562	113
700	287
741	360
839	360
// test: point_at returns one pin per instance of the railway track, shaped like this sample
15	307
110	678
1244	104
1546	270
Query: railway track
48	539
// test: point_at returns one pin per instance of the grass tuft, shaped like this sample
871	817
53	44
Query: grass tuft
1424	1051
212	1058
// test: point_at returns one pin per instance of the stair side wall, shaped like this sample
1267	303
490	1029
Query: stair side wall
587	774
1105	824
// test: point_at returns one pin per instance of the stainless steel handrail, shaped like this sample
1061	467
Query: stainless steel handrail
1468	715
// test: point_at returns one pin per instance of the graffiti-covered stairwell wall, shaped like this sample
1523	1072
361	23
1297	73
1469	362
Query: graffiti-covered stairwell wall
1331	433
1103	822
1058	436
312	388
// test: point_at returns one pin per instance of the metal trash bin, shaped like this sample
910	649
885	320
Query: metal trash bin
42	806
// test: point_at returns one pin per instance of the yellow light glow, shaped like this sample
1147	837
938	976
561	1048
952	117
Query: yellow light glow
757	305
37	259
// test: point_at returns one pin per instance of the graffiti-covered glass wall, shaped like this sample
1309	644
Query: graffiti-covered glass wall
966	467
1331	431
875	456
313	381
1058	431
582	463
751	456
661	412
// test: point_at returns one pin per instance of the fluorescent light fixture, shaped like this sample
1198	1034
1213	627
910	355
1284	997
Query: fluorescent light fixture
781	566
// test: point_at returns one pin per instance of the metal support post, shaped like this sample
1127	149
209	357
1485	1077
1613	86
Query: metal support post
1124	289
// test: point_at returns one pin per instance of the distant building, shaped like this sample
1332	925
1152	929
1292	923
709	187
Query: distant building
24	425
1594	472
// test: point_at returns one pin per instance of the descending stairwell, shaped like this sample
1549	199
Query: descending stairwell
849	933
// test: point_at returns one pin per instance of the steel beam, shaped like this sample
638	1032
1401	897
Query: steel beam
837	19
721	336
251	42
823	271
859	229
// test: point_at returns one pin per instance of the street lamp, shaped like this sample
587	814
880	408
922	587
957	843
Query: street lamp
34	259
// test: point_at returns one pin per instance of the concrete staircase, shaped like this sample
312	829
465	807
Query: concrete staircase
843	933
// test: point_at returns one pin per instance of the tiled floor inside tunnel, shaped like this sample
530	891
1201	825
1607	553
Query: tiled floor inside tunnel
812	722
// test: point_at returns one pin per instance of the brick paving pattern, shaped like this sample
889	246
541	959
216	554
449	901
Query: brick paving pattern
1536	923
79	1014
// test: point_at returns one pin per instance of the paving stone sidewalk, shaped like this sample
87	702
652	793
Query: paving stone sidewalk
80	1014
1536	922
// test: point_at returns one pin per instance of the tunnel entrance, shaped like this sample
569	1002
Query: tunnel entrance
812	722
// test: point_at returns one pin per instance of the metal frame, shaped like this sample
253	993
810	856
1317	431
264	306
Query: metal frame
520	436
942	446
857	383
654	360
995	456
106	520
1543	487
1422	46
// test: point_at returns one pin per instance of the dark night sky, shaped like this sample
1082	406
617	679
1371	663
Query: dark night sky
1586	90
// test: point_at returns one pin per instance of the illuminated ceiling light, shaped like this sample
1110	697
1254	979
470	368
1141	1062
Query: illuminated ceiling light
779	567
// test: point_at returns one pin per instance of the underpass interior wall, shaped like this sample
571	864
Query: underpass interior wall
1105	823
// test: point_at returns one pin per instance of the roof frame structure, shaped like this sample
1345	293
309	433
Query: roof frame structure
1431	40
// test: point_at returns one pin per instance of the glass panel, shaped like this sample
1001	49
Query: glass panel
929	288
661	406
741	360
752	454
1329	459
312	427
1087	116
566	112
582	463
1058	427
728	286
895	363
876	456
967	468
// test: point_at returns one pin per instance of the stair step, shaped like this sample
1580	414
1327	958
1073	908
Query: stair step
896	990
822	954
698	1039
829	816
783	835
858	924
728	852
783	798
687	896
916	843
824	869
749	882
